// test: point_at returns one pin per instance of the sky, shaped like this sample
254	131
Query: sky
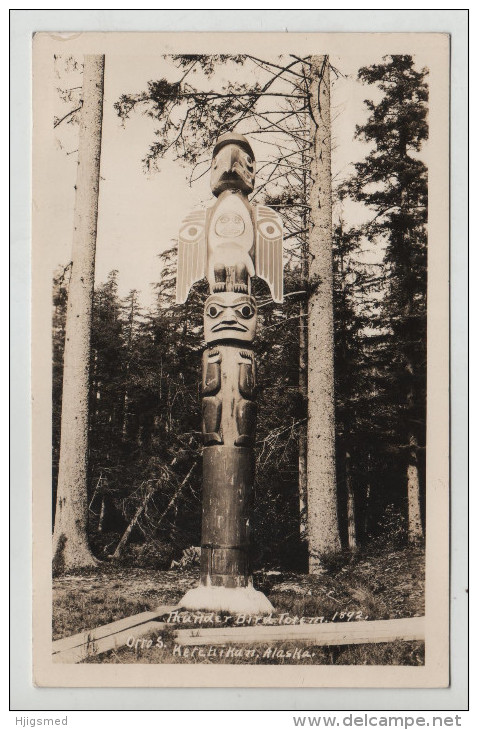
140	213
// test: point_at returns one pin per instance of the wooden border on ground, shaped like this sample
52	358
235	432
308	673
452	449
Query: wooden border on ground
334	634
76	648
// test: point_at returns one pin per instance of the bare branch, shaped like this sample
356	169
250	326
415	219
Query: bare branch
57	122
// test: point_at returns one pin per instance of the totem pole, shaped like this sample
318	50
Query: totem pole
229	243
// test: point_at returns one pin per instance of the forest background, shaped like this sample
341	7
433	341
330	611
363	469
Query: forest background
144	410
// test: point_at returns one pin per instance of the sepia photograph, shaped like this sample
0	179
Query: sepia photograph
240	359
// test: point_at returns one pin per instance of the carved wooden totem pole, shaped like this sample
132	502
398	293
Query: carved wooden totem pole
229	243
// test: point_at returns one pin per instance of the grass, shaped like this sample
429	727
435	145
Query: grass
370	586
89	599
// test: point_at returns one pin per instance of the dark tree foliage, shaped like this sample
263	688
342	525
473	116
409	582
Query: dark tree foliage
144	444
392	182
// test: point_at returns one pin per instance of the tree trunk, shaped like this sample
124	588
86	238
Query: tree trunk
70	540
101	518
124	430
368	491
321	475
351	521
303	426
415	530
302	465
128	351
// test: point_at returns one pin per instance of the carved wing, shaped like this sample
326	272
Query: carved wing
191	253
269	241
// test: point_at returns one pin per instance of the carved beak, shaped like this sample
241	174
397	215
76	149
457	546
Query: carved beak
230	171
226	159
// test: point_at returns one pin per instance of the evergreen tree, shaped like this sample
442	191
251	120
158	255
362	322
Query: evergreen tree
106	386
392	182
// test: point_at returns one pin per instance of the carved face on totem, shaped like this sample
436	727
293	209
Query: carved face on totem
230	316
233	165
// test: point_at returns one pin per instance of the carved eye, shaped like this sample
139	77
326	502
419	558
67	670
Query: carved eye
249	162
190	232
213	311
246	311
269	229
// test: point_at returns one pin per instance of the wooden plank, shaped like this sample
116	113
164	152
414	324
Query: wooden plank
101	632
77	648
77	654
334	634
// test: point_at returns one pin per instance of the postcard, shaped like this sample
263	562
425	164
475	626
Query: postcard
240	359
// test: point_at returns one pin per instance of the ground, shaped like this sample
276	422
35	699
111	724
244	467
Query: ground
365	587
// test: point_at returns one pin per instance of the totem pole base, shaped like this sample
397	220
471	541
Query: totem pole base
227	600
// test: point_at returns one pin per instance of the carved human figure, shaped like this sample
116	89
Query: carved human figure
211	401
229	390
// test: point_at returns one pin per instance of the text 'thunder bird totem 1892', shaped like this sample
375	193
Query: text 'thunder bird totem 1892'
229	243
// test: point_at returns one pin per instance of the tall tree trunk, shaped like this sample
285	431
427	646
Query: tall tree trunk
321	474
303	426
415	531
302	465
351	520
128	354
124	429
70	540
368	491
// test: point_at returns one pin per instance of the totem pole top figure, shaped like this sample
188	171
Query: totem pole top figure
233	165
233	240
